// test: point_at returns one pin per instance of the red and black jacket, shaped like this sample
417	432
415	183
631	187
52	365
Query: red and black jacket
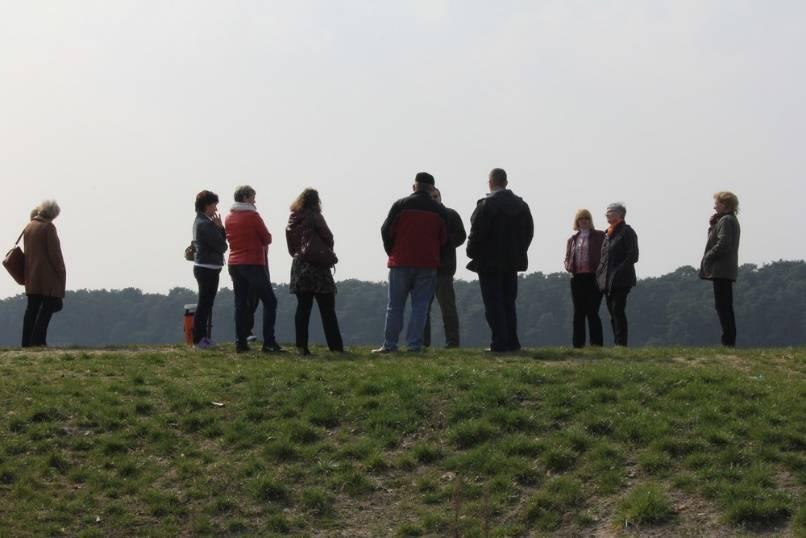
415	231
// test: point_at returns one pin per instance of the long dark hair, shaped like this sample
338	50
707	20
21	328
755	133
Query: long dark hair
308	199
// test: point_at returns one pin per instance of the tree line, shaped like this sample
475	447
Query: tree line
673	309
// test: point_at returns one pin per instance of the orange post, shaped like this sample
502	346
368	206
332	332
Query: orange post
190	311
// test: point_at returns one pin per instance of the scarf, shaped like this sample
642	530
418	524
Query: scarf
613	227
243	206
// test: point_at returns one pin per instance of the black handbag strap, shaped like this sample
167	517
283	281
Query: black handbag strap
17	242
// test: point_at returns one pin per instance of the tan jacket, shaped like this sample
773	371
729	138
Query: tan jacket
44	265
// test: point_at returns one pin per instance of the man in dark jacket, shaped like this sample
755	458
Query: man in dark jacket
501	230
446	297
615	275
413	234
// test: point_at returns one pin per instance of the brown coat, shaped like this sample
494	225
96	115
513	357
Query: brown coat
44	265
595	241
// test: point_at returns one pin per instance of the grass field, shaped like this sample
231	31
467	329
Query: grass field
164	441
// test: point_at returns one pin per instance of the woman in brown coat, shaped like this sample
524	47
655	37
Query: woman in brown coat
44	274
310	243
582	253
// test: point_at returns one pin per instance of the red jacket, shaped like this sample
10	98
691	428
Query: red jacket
248	237
415	231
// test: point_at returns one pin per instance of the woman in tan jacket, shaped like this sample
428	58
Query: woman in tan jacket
44	274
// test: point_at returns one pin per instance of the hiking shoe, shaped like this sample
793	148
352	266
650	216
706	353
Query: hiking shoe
241	348
251	338
303	351
384	350
204	343
272	348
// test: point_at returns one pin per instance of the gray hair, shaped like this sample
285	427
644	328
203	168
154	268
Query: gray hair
617	207
243	192
48	209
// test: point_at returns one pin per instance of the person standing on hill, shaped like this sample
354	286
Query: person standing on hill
501	230
210	242
249	242
445	294
616	272
720	263
310	242
582	253
413	234
45	275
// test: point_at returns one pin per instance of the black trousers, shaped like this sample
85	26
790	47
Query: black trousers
327	311
253	301
207	279
255	279
617	305
446	297
723	302
499	290
37	318
587	299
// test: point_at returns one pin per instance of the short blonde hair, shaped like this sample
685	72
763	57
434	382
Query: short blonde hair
730	200
583	214
48	209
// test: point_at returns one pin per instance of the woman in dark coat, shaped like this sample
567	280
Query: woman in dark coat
720	263
45	275
616	272
582	253
310	243
210	241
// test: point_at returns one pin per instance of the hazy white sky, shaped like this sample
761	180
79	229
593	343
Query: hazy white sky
123	110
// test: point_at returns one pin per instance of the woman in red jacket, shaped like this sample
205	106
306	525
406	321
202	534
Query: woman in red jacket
248	266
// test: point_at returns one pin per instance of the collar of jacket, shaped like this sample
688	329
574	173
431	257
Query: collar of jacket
243	206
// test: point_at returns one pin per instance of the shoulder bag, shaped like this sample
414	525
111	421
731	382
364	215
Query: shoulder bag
14	262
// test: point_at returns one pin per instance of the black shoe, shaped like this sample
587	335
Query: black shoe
272	348
303	351
241	348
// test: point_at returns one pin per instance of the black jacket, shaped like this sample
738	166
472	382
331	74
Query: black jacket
456	236
619	256
210	241
501	230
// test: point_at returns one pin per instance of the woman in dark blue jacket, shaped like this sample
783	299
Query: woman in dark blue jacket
615	275
210	244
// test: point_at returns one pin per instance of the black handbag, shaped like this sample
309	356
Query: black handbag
14	262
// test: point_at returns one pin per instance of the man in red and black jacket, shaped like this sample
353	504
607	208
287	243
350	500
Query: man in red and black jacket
413	235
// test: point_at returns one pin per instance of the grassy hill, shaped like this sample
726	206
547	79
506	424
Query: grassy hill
165	441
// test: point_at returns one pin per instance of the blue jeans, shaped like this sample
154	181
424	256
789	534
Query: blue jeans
253	279
418	282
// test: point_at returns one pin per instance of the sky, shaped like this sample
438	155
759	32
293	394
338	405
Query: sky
123	110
